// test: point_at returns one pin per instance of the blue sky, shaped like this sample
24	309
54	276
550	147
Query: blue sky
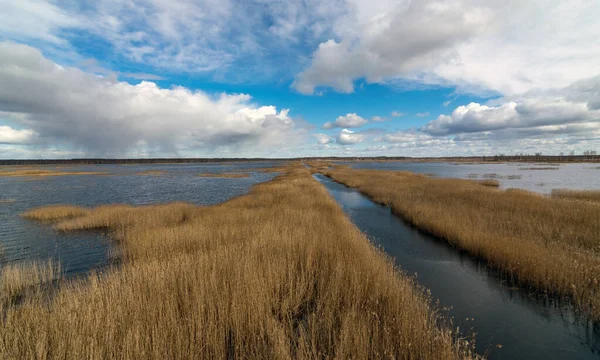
298	78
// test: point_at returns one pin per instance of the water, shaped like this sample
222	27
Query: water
78	252
525	327
511	175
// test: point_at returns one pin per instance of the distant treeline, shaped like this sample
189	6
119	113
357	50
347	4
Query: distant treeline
127	161
495	158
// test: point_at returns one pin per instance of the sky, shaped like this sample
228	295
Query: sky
292	78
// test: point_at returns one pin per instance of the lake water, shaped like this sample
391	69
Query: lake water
524	327
526	176
23	240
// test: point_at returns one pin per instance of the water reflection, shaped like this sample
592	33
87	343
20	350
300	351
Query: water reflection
81	251
524	326
530	177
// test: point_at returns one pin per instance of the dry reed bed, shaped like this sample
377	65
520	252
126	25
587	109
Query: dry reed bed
153	172
55	212
279	273
489	183
586	195
548	244
45	173
26	279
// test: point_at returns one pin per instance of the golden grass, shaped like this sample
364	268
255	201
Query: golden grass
18	279
489	183
225	175
548	244
153	172
279	273
587	195
55	212
44	173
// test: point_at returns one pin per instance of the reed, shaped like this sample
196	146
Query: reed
19	279
489	183
153	172
278	273
586	195
45	173
54	212
549	244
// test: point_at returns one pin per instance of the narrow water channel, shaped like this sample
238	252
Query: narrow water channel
509	324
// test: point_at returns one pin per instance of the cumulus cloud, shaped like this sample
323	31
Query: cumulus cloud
107	117
322	139
397	114
551	121
378	119
348	137
400	39
479	46
346	121
9	135
548	121
577	103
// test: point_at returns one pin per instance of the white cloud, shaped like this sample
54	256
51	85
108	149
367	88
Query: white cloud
346	121
532	44
548	121
322	139
414	139
397	114
232	40
102	116
390	40
422	114
480	46
378	119
489	46
551	121
36	19
9	135
577	103
348	137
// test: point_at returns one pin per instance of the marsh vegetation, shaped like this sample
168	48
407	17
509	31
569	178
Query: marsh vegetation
489	183
153	172
31	279
44	173
549	244
279	273
585	195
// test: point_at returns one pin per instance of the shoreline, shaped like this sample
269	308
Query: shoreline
527	236
278	273
494	159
